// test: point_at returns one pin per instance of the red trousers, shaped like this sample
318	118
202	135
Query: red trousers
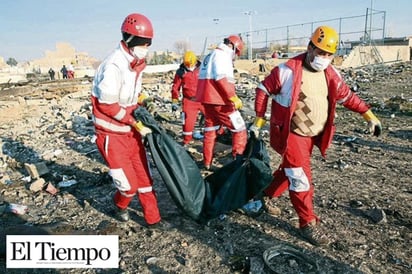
215	117
294	173
126	157
190	111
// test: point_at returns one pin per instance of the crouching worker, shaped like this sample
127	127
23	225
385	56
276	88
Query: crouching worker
116	92
304	92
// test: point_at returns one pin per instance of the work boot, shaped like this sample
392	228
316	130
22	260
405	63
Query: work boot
313	233
122	214
269	204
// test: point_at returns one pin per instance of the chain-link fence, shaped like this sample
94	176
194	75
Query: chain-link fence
292	39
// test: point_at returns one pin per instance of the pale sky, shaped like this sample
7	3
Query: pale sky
28	28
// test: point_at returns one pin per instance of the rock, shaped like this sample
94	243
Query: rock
377	215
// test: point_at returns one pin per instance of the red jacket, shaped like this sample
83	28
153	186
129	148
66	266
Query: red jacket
187	81
283	85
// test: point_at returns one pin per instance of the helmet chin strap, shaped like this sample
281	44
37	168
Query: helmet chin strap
126	48
129	39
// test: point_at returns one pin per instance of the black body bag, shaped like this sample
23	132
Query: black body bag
233	185
176	167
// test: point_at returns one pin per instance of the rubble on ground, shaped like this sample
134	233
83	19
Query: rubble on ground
53	181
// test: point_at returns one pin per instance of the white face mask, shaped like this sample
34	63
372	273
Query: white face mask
191	68
320	63
139	52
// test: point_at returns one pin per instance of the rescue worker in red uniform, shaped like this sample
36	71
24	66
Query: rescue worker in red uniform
116	93
185	80
70	71
216	91
304	92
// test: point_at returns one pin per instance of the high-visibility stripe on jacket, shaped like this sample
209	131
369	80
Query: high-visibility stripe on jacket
283	86
216	82
116	87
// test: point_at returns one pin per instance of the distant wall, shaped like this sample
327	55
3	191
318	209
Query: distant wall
359	56
16	74
366	55
161	68
12	74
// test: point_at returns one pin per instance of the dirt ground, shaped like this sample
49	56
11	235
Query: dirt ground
363	191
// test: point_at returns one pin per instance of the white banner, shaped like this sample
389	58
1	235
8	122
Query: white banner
62	251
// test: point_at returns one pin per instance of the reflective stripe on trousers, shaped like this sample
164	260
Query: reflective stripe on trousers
294	173
127	153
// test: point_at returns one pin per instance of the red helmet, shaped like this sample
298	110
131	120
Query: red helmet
237	43
137	25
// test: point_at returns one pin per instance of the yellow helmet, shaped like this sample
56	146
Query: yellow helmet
326	39
189	59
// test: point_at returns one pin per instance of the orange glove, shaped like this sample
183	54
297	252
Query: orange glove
236	101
